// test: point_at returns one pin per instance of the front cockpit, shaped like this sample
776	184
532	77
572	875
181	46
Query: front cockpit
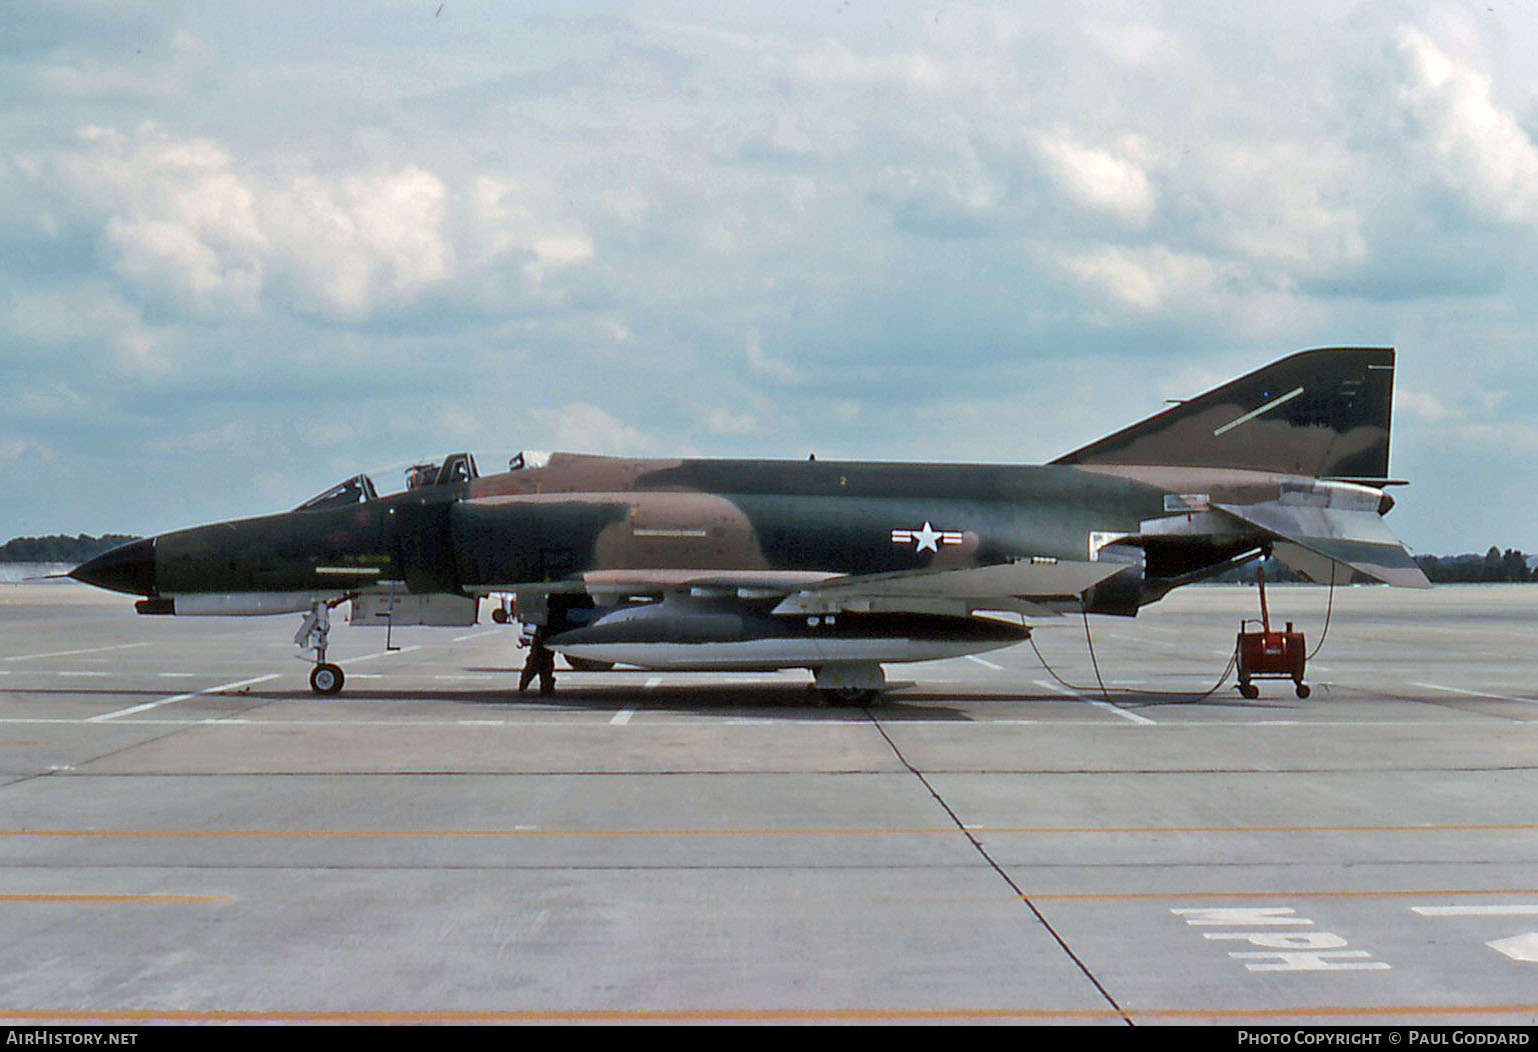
423	474
363	487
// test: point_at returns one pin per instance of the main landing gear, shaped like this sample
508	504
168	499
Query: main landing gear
325	678
1267	654
540	662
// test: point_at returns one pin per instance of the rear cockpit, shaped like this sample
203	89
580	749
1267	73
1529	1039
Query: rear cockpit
452	469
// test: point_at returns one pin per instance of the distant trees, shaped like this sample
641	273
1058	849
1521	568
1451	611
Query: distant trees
59	548
1494	565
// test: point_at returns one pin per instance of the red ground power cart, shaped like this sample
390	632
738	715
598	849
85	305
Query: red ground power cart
1267	654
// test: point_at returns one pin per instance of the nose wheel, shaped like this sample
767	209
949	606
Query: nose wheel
325	678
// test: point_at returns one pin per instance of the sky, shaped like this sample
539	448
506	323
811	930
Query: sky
247	250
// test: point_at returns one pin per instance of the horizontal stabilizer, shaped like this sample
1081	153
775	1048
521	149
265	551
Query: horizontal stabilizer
1002	586
1313	539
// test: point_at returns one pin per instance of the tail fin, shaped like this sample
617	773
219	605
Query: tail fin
1322	413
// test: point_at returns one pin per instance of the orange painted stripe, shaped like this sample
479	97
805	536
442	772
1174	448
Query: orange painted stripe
149	899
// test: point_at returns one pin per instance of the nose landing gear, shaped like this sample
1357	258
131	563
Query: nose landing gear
325	678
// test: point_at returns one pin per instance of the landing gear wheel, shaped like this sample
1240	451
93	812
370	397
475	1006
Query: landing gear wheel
326	679
850	696
499	615
1249	690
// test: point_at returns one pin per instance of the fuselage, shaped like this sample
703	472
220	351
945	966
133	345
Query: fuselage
581	516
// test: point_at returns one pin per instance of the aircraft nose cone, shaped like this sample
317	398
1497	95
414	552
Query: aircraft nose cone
127	568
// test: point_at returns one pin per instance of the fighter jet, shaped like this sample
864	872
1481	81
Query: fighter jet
835	567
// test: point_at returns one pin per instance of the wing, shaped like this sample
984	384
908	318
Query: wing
1024	586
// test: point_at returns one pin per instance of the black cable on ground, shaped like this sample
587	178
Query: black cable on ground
1328	610
1233	658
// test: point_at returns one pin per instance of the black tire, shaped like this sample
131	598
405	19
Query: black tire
1303	690
849	696
326	679
1249	690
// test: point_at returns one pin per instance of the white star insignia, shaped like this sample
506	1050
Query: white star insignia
927	539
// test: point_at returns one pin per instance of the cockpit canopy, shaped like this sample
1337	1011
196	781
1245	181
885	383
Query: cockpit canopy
456	467
417	474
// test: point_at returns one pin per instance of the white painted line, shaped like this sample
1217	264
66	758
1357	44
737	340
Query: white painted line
82	672
476	635
179	697
1522	948
652	682
1123	713
1474	693
984	663
622	717
384	653
1512	910
1253	413
1099	704
68	653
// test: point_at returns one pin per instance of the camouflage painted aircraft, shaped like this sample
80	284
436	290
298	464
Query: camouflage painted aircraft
834	567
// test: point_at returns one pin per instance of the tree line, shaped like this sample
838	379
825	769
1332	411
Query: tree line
1495	566
60	548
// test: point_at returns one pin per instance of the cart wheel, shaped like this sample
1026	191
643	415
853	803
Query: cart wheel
1303	690
1249	690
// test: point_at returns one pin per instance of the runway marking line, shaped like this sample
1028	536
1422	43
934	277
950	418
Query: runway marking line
1131	717
179	697
1474	693
475	635
70	653
384	653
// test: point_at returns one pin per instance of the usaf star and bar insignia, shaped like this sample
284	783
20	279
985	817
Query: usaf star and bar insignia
927	539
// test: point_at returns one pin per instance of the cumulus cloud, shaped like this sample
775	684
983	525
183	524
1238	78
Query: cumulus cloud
582	427
1479	149
187	223
1145	279
1098	179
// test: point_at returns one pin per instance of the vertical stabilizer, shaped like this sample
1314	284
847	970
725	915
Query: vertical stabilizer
1322	413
